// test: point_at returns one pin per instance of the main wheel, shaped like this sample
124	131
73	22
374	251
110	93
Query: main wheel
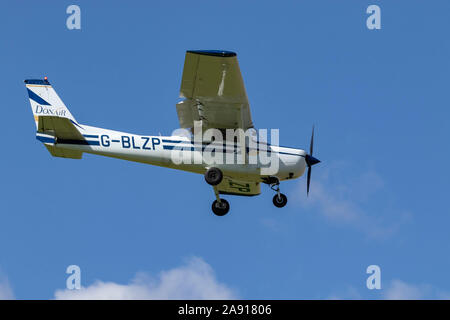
213	176
222	208
280	201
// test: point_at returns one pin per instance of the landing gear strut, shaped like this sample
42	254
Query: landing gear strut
279	200
220	207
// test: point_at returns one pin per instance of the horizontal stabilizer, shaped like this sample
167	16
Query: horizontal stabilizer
62	128
53	129
63	153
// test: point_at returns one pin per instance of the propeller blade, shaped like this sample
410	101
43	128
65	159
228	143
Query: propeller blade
308	181
310	161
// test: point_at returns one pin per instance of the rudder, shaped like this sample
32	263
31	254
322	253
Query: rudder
53	120
45	101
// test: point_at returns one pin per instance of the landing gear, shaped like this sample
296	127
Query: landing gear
220	208
279	200
213	176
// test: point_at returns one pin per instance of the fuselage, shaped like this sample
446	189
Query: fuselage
182	153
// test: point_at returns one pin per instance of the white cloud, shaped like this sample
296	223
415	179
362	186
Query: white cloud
396	290
355	201
5	290
400	290
194	280
351	293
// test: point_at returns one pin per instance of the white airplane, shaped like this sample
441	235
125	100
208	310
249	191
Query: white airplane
214	97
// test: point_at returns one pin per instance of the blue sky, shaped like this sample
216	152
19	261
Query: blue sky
378	98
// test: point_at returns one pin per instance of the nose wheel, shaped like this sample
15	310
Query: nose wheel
279	200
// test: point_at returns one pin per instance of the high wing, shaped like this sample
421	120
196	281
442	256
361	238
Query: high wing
214	92
238	187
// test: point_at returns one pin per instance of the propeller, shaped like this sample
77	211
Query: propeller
310	161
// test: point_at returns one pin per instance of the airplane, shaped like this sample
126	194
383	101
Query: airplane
214	97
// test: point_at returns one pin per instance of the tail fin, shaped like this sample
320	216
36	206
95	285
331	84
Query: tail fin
53	120
45	101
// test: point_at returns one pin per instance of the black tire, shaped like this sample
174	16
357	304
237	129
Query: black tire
222	208
279	202
213	176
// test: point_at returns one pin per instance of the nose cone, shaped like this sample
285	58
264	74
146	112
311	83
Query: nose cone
310	160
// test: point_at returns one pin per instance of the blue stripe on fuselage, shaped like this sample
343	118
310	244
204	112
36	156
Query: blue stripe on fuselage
78	142
67	141
190	147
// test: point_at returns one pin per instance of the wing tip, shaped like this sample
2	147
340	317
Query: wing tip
214	53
